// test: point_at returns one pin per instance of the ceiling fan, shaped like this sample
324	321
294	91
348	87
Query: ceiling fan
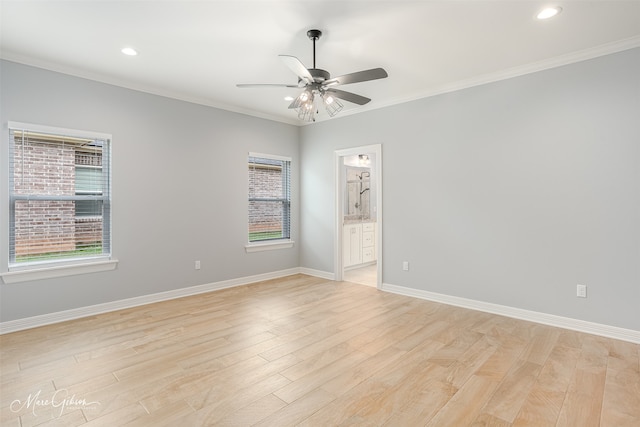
319	87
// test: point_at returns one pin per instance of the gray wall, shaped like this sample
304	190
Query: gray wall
510	193
179	188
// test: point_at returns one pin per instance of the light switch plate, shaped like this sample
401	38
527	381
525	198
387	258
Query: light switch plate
581	291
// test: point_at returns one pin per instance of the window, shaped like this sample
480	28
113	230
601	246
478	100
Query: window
88	181
269	198
59	196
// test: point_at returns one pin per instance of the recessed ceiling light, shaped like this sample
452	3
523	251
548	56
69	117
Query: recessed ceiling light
288	98
549	12
129	51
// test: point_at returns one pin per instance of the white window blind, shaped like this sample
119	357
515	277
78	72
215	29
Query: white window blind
269	197
59	196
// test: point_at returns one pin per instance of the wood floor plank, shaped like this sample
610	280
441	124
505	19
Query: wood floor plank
470	362
352	398
454	349
621	400
466	404
395	397
423	404
114	398
122	416
254	412
66	419
215	404
489	421
96	383
335	339
345	381
382	337
302	350
298	344
337	411
580	408
318	361
215	382
169	415
584	397
9	417
297	411
541	344
315	379
512	391
501	361
542	405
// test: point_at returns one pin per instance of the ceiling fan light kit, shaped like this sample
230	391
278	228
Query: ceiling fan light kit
331	104
319	86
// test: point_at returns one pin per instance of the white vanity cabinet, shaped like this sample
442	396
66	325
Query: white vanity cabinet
359	246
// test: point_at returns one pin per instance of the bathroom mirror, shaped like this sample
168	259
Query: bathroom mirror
358	193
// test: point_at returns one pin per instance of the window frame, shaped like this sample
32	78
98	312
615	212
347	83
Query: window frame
35	270
278	243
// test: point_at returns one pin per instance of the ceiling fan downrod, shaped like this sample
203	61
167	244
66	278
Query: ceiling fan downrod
314	35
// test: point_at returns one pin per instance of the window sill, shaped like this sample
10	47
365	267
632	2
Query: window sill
269	246
58	271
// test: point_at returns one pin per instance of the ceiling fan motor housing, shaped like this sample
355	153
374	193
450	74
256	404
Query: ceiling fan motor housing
319	75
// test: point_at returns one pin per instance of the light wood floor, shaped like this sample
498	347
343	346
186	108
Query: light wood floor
367	275
306	351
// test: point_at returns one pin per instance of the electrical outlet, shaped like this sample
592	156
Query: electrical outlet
198	265
581	291
405	265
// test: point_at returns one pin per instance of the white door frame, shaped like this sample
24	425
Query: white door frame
339	192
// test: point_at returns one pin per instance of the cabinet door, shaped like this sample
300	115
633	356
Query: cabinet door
368	254
352	245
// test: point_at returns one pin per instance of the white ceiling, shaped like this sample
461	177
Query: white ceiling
198	50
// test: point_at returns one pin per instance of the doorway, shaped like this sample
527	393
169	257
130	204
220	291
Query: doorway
358	235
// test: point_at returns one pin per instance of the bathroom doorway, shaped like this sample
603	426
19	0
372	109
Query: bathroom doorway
358	236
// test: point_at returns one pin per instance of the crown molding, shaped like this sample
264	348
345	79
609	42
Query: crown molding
558	61
534	67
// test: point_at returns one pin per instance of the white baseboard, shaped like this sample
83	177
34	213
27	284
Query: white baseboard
518	313
547	319
317	273
92	310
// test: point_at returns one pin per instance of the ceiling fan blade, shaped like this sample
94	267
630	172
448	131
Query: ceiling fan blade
297	67
348	96
265	85
357	77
